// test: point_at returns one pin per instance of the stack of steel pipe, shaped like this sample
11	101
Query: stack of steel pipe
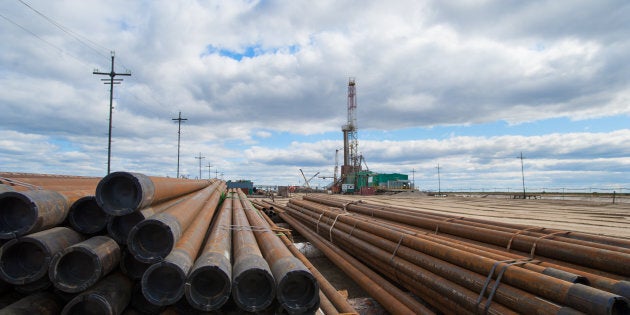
137	244
55	244
457	263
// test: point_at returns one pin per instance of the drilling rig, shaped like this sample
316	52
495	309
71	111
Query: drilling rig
351	161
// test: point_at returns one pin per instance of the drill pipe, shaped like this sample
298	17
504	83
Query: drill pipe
85	216
32	211
329	291
81	265
139	302
559	235
601	239
109	296
446	278
389	296
121	193
163	283
209	282
154	238
42	303
119	226
620	287
296	288
607	260
26	259
577	296
132	267
5	188
253	285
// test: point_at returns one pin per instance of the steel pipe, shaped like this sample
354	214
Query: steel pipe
154	238
26	259
121	193
296	288
389	296
163	283
253	285
606	260
30	211
130	266
109	296
42	303
85	216
209	283
81	265
574	295
339	302
448	279
118	227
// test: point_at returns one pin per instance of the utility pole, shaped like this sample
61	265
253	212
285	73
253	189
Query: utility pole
216	173
209	166
111	81
179	130
522	174
200	158
439	181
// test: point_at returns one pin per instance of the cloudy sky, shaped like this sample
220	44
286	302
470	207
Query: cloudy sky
468	85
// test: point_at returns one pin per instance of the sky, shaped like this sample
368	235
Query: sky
466	85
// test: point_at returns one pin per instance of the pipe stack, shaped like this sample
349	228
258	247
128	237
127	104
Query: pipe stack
130	242
472	266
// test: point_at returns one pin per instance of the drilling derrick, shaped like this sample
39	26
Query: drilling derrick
350	139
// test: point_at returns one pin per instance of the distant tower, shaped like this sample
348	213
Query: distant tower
350	138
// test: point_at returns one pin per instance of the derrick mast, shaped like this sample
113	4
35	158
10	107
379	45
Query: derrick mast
350	139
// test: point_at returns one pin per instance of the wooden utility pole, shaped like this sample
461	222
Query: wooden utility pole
179	129
200	158
111	81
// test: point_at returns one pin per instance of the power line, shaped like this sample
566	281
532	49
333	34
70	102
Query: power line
61	50
81	39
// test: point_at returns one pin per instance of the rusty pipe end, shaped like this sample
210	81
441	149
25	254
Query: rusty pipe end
24	261
152	240
75	269
163	283
30	211
566	276
121	193
209	285
622	288
253	286
298	290
85	216
133	268
118	227
88	304
591	300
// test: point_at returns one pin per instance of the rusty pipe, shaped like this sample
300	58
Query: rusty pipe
329	291
559	235
389	296
606	260
429	270
42	303
79	266
85	216
163	283
32	211
109	296
209	283
121	193
574	295
253	285
296	288
26	259
153	239
118	227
